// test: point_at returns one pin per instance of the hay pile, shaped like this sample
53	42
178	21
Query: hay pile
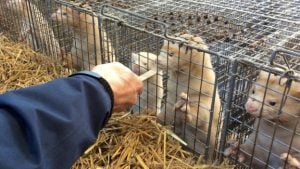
21	67
128	141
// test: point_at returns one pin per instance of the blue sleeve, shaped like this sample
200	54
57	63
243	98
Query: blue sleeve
50	125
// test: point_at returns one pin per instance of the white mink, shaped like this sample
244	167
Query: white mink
35	28
190	87
153	87
86	49
266	111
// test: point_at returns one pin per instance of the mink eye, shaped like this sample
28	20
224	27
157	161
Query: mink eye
253	91
171	54
272	103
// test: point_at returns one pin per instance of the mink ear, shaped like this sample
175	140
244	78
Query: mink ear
255	74
165	43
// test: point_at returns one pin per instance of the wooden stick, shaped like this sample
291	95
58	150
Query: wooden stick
176	137
147	75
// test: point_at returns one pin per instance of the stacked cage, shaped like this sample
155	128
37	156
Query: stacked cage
226	71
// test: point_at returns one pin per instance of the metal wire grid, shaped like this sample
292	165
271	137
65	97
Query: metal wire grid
130	41
232	48
249	27
10	23
279	9
240	90
63	32
131	5
242	79
195	135
25	21
81	34
247	30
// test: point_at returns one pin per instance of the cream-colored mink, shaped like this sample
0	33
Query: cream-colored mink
275	128
86	49
35	28
153	87
190	87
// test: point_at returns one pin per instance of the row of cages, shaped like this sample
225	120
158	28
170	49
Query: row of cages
227	75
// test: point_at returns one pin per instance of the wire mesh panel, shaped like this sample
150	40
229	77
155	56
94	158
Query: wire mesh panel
192	102
230	32
230	28
9	21
30	25
288	10
184	92
67	32
90	43
270	96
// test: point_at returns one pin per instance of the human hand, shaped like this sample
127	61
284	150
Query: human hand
125	85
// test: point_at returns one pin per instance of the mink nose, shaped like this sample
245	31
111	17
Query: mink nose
251	107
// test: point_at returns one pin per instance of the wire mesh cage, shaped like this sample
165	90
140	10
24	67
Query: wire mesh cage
25	22
230	28
72	36
179	80
205	55
270	137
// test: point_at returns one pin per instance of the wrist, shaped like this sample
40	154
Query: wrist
102	81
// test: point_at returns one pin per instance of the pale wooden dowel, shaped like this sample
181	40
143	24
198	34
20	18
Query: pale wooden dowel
147	75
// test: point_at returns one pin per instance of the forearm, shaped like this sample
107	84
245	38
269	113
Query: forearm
50	125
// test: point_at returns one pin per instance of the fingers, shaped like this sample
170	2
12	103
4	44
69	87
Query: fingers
128	100
126	104
120	108
125	84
